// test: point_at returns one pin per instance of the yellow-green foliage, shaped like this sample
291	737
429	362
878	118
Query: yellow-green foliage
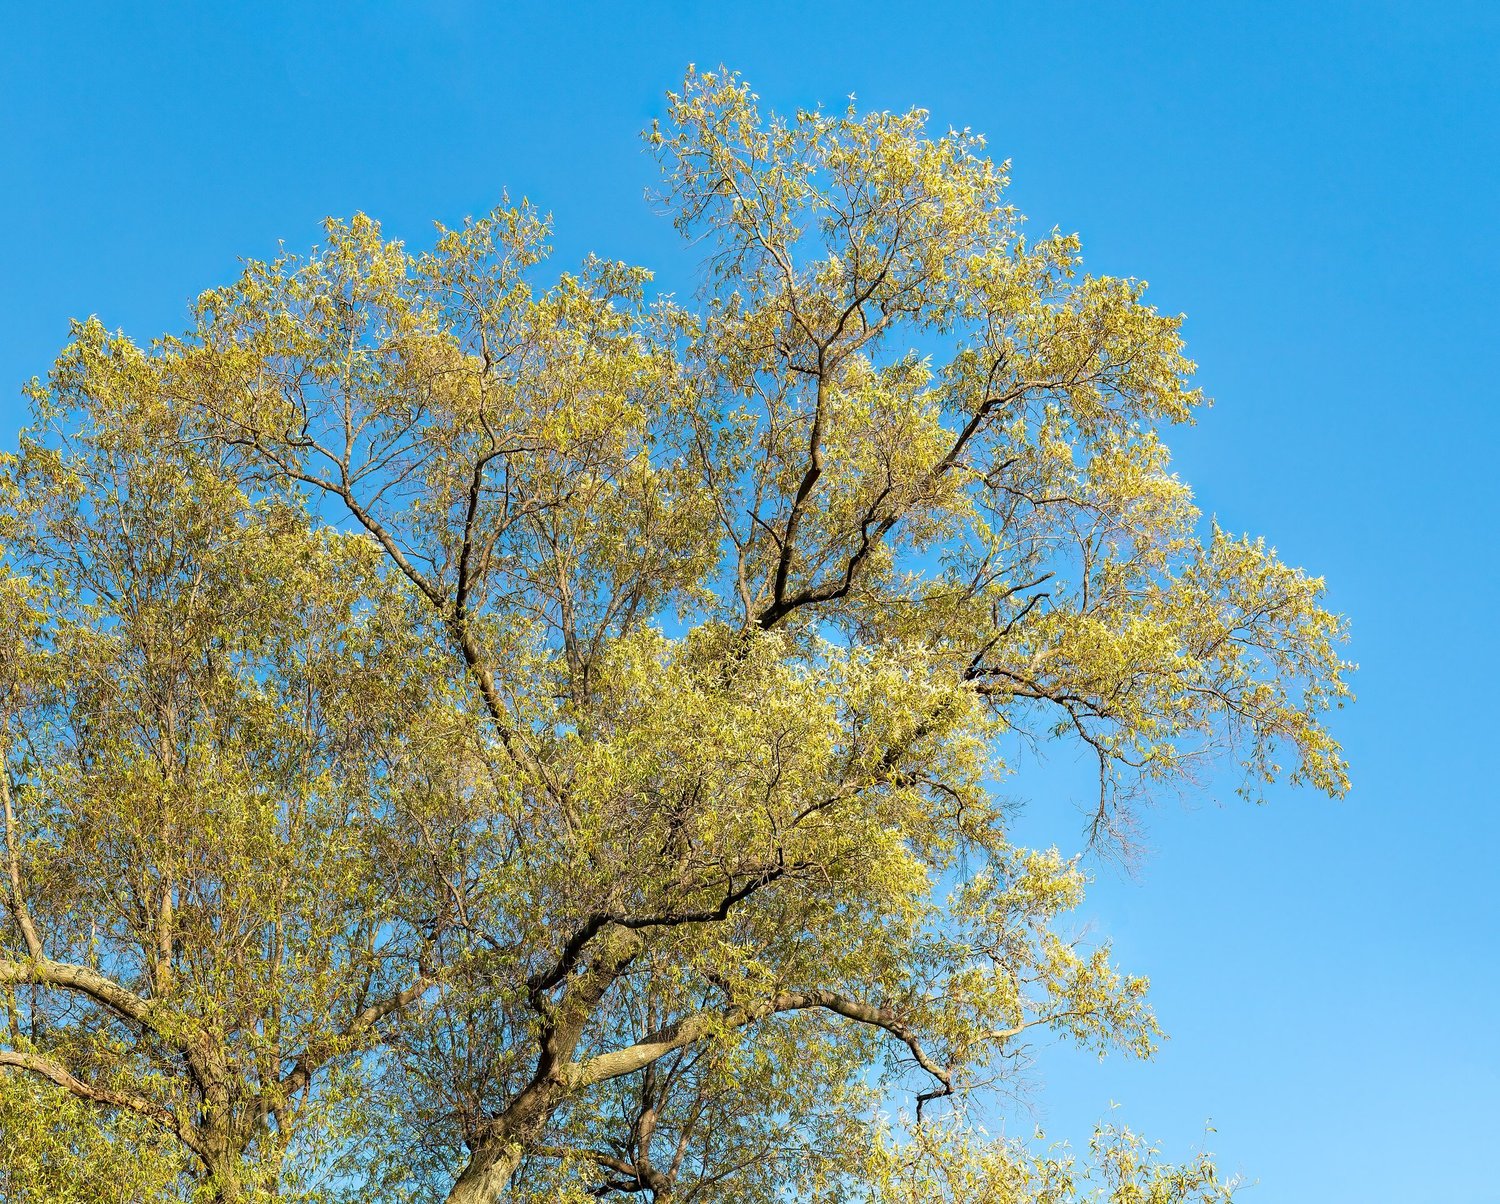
469	732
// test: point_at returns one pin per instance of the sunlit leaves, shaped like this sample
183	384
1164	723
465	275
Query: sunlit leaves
572	716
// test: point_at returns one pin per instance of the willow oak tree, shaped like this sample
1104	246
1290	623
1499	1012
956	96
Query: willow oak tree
466	735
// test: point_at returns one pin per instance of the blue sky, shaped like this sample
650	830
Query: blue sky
1313	184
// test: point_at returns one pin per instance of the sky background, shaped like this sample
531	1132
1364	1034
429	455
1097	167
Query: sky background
1313	184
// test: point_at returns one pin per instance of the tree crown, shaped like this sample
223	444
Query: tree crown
574	712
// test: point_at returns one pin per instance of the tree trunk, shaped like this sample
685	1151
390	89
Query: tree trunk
485	1177
498	1151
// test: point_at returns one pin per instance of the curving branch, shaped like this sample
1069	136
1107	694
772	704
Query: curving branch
872	529
573	951
311	1060
107	1097
702	1025
64	976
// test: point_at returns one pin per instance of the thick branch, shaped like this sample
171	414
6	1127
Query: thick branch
804	490
872	530
105	1096
700	1025
63	976
573	951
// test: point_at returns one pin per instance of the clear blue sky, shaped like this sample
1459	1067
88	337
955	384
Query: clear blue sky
1314	184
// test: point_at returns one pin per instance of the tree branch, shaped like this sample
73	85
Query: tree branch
701	1025
310	1061
81	980
105	1096
871	531
18	906
573	951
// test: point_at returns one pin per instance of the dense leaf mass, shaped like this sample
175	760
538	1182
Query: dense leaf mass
473	733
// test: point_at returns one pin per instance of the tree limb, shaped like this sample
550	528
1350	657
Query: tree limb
108	1097
64	976
700	1025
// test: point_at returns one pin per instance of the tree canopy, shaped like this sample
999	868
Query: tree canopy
473	731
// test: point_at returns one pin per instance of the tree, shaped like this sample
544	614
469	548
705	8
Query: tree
464	735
